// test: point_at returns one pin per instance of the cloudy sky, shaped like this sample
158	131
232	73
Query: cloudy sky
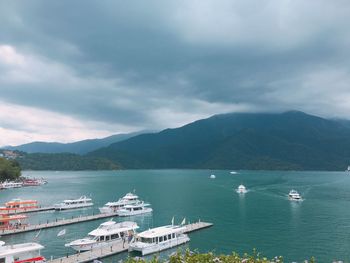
71	70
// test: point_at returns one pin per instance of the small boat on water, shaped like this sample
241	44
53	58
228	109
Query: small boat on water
158	239
294	196
106	234
212	176
81	202
112	207
233	172
21	253
241	189
18	206
348	169
135	209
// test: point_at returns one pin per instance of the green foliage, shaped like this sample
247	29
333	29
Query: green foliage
9	169
64	161
189	257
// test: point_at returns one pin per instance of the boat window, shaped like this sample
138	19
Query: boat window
173	234
102	238
160	239
107	238
169	236
114	236
2	260
146	240
165	238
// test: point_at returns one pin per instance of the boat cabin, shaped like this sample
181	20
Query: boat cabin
21	253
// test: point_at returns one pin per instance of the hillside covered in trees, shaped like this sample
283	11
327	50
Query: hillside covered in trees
9	169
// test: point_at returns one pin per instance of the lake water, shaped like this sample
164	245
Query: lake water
263	218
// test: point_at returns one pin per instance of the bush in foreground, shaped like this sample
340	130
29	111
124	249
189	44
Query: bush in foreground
190	257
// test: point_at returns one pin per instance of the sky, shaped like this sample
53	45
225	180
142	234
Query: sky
71	70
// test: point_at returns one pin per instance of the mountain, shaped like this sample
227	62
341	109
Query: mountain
79	147
63	162
292	140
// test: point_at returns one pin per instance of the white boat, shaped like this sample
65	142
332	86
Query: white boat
106	234
233	172
348	169
212	176
294	196
21	253
9	185
158	239
134	209
81	202
241	189
112	207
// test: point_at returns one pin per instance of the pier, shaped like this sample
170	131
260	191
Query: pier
55	223
116	248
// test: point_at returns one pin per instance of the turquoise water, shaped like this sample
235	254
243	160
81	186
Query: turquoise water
263	218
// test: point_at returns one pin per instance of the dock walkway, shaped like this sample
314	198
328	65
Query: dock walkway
56	223
119	247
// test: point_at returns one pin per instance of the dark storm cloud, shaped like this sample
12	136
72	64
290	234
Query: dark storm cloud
141	63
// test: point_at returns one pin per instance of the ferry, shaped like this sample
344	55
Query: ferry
33	182
106	234
21	253
9	222
9	185
134	209
158	239
241	189
18	206
112	207
294	196
81	202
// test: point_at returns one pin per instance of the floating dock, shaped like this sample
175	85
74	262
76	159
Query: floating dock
55	223
116	248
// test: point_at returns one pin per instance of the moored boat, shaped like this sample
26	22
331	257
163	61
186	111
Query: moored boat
9	222
135	209
81	202
106	234
158	239
21	253
112	207
17	206
10	184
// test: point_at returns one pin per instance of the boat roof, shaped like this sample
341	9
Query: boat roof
6	218
19	248
20	201
79	199
111	227
161	231
130	196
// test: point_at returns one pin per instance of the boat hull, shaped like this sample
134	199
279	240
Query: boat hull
59	208
134	213
87	247
154	248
